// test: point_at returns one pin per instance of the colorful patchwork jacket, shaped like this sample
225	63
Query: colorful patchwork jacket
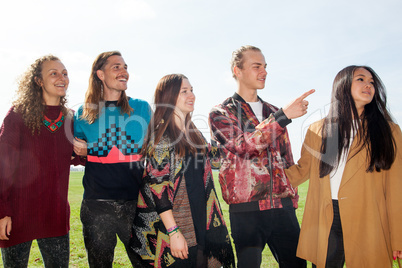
253	155
162	176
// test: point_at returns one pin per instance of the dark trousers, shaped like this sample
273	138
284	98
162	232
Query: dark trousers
278	228
102	221
336	252
196	259
55	253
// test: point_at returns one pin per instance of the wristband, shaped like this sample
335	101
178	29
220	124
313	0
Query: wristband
172	229
173	232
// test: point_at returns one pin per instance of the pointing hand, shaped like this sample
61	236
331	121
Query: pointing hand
297	107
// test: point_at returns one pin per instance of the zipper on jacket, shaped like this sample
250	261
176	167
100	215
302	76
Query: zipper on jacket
270	179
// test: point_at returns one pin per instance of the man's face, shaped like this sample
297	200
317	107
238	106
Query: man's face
114	74
253	73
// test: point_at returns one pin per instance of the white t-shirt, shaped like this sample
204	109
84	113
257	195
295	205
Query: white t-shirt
336	174
257	109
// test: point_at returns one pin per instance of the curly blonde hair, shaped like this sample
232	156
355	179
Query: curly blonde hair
29	96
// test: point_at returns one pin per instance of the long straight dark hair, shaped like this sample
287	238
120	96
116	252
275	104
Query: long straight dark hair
373	129
163	120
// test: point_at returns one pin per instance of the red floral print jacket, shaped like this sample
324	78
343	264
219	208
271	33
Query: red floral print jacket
253	155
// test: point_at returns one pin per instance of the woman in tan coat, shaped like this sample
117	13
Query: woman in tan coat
354	202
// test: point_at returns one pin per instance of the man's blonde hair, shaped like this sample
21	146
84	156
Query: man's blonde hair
237	57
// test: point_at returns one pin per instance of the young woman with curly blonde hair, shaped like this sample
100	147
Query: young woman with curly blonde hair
36	154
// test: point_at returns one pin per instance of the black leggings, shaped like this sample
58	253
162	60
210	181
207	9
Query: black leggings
102	221
55	253
336	252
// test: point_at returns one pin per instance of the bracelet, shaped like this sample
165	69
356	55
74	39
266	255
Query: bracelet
173	232
172	229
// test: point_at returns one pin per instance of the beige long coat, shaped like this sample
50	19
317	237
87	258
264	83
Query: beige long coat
370	206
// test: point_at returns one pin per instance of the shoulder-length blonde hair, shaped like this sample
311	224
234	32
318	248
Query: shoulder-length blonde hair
29	96
94	94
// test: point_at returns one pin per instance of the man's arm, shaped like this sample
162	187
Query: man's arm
225	127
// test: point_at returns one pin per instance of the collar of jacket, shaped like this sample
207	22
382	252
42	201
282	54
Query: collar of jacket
266	110
239	98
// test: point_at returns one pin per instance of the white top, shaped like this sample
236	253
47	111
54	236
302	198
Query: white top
336	174
257	109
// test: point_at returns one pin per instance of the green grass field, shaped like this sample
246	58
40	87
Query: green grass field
77	248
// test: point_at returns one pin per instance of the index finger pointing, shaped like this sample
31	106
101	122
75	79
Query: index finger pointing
311	91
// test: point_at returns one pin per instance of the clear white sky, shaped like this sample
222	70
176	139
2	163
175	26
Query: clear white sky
305	44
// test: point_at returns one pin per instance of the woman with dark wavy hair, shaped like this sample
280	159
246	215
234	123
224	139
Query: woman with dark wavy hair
36	154
353	159
179	221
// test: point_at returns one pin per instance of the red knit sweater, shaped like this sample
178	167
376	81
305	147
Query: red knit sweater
34	175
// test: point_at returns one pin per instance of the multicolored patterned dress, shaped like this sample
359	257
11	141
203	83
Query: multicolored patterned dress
161	183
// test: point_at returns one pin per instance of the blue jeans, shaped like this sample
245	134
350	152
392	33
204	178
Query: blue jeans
55	253
278	228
